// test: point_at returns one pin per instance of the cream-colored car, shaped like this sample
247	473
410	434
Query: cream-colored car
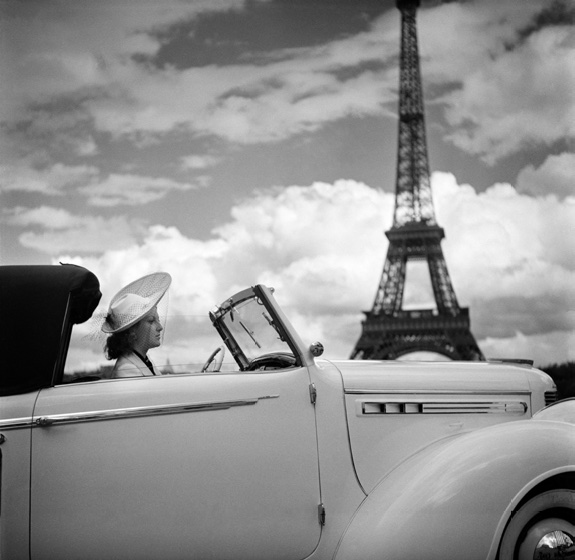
290	456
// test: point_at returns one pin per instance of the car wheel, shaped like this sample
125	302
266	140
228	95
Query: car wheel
542	529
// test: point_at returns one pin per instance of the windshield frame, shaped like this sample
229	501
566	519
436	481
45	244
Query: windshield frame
226	313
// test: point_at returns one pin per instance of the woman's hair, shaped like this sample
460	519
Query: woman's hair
119	344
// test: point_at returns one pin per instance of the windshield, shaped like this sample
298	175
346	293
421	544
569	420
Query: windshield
249	329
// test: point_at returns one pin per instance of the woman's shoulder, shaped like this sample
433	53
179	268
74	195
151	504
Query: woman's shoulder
127	366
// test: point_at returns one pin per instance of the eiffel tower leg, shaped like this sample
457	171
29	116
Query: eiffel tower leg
442	289
391	287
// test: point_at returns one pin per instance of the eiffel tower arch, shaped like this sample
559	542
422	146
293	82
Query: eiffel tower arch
389	331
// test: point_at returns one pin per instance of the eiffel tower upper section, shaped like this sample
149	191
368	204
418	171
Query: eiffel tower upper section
389	331
413	202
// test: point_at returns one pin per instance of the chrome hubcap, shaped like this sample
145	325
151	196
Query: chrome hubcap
549	539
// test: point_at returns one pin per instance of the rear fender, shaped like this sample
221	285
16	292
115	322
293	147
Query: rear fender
454	498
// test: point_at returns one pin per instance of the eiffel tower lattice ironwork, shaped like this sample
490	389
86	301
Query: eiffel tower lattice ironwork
388	330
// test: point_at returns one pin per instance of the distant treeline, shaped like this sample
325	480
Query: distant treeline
564	377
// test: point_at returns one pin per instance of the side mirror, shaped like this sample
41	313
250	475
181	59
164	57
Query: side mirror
316	349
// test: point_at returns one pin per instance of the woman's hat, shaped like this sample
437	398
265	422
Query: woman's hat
135	300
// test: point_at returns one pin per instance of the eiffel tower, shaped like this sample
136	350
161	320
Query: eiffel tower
388	330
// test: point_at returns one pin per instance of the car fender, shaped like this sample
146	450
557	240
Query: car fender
560	411
454	498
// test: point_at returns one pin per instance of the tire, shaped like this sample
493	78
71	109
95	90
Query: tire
550	514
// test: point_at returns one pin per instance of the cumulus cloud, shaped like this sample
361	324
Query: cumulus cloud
294	103
99	77
511	258
130	190
46	216
283	233
55	230
116	189
325	261
53	49
457	38
54	180
197	161
549	348
519	97
246	103
507	87
504	73
555	175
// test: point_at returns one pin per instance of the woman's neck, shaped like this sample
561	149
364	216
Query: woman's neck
140	349
140	354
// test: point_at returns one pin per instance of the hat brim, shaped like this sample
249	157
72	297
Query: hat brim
152	286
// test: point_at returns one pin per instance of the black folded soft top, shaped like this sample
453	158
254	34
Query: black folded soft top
38	306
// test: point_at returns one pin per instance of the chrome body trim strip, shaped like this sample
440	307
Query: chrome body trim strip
475	408
133	412
16	423
432	392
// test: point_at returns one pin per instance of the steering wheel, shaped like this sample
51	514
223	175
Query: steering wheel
216	357
275	360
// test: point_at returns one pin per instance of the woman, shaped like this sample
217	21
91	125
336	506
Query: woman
134	325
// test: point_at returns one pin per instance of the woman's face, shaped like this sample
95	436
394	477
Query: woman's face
148	332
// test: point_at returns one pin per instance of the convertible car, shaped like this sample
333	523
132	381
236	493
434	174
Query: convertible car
289	456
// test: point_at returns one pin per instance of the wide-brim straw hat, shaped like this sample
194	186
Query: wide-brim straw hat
135	301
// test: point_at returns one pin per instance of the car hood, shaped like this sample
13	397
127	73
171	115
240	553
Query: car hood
394	376
395	409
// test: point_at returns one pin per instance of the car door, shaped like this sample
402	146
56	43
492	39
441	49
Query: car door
15	440
196	466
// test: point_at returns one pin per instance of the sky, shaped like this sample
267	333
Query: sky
233	142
